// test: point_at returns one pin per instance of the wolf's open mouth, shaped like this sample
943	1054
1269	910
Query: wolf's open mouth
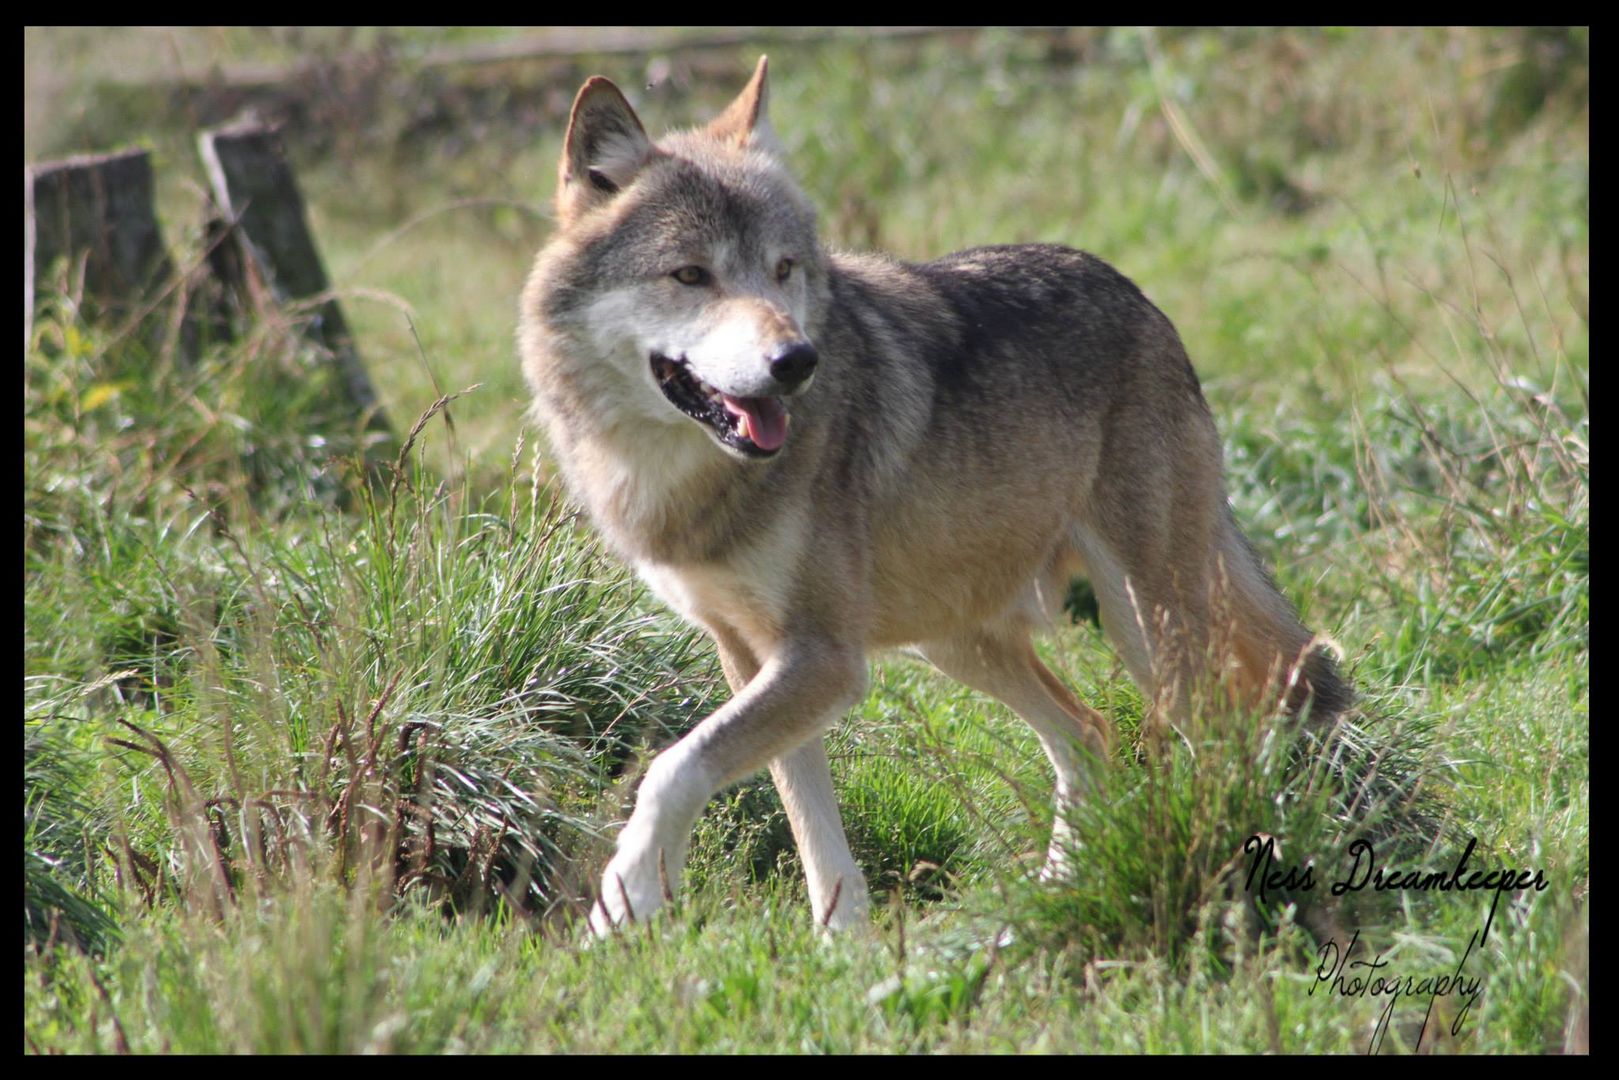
757	426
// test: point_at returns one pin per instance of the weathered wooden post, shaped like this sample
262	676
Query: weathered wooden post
255	188
97	208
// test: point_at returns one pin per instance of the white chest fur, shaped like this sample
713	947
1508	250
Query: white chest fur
750	591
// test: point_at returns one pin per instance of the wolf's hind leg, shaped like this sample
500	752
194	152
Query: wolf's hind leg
1152	589
1002	663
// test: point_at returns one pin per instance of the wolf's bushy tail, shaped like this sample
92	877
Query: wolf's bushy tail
1272	646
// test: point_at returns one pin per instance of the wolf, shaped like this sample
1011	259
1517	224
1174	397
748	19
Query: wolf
812	455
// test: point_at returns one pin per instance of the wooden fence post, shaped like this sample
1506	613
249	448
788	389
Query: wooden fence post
255	188
99	208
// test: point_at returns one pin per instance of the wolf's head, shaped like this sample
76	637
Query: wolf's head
689	267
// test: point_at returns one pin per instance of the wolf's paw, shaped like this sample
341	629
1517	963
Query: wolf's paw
1062	852
847	919
845	908
1056	869
635	884
1060	856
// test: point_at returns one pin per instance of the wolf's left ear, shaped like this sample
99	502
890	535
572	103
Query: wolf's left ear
605	148
745	121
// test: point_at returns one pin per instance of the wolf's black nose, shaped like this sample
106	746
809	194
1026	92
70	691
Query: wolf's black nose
794	365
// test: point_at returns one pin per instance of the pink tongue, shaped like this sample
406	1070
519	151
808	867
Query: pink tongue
761	419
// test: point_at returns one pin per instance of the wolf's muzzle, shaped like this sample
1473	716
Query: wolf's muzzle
794	364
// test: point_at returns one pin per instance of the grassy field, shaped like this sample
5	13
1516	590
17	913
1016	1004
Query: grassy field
316	766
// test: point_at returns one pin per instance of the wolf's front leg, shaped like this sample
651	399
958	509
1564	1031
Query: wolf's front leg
796	695
837	888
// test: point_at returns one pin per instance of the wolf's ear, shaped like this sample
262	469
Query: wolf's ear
746	119
605	147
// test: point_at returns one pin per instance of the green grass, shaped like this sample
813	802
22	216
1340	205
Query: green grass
312	765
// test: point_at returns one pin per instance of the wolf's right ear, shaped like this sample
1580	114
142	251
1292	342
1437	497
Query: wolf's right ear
605	147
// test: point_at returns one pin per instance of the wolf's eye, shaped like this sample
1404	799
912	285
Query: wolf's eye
692	275
784	269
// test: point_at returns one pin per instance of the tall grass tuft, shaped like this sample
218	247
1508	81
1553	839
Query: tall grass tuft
435	689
